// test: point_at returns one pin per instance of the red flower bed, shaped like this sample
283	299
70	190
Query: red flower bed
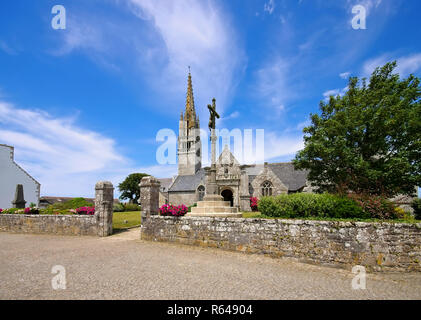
90	211
175	211
254	203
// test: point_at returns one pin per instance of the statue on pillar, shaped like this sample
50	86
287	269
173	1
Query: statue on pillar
213	114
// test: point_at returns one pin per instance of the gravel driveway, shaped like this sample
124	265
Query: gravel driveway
124	267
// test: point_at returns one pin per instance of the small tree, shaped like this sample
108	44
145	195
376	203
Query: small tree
129	188
369	140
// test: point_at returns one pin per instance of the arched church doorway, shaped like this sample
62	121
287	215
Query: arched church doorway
228	196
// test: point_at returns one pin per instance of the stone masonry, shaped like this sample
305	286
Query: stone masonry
104	200
99	224
149	196
377	246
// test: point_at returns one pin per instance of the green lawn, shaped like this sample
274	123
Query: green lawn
125	220
252	214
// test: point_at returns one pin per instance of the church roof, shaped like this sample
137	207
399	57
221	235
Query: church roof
188	183
165	184
285	171
291	178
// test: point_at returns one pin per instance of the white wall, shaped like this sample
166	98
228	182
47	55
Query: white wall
12	174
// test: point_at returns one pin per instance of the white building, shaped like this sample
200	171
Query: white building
11	174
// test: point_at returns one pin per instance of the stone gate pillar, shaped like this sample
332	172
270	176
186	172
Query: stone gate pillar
244	190
149	196
104	200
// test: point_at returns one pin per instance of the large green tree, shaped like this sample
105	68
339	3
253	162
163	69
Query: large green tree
369	140
129	188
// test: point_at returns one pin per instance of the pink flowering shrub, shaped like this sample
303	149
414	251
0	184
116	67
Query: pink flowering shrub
254	203
1	210
175	211
90	211
31	210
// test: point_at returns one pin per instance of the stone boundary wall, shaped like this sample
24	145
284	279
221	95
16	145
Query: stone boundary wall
377	246
100	224
49	224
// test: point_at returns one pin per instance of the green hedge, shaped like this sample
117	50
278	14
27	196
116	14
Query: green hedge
71	204
303	205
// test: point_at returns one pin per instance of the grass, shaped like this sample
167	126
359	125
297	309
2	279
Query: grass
258	215
125	220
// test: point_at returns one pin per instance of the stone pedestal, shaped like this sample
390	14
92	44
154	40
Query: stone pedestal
104	200
215	208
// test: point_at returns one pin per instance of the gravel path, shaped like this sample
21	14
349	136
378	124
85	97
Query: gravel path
123	267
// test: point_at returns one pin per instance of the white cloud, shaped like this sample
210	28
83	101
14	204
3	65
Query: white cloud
334	92
196	34
406	64
269	6
64	157
159	41
272	83
282	146
345	75
233	115
6	48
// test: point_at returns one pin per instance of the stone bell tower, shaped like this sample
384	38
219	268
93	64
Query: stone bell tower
189	144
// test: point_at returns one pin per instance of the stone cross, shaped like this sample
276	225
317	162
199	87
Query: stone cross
213	114
19	201
104	201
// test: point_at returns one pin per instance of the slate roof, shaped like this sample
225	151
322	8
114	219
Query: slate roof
165	184
188	183
291	178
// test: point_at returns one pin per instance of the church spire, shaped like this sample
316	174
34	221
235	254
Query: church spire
190	115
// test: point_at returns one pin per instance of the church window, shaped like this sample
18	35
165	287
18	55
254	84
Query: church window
266	188
201	192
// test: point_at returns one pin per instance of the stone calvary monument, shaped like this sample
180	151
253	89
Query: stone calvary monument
213	204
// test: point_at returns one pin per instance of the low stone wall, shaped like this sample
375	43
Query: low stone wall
49	224
377	246
100	224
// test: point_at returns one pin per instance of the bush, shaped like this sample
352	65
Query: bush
71	204
175	211
254	202
304	205
375	206
416	205
90	211
131	207
118	207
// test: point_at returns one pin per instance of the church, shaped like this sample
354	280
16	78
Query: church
236	182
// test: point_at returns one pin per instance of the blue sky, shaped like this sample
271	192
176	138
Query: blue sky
85	104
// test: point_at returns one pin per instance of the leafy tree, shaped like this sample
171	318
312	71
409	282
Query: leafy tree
369	140
129	188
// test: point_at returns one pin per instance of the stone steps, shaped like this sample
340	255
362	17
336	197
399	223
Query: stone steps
211	204
214	209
